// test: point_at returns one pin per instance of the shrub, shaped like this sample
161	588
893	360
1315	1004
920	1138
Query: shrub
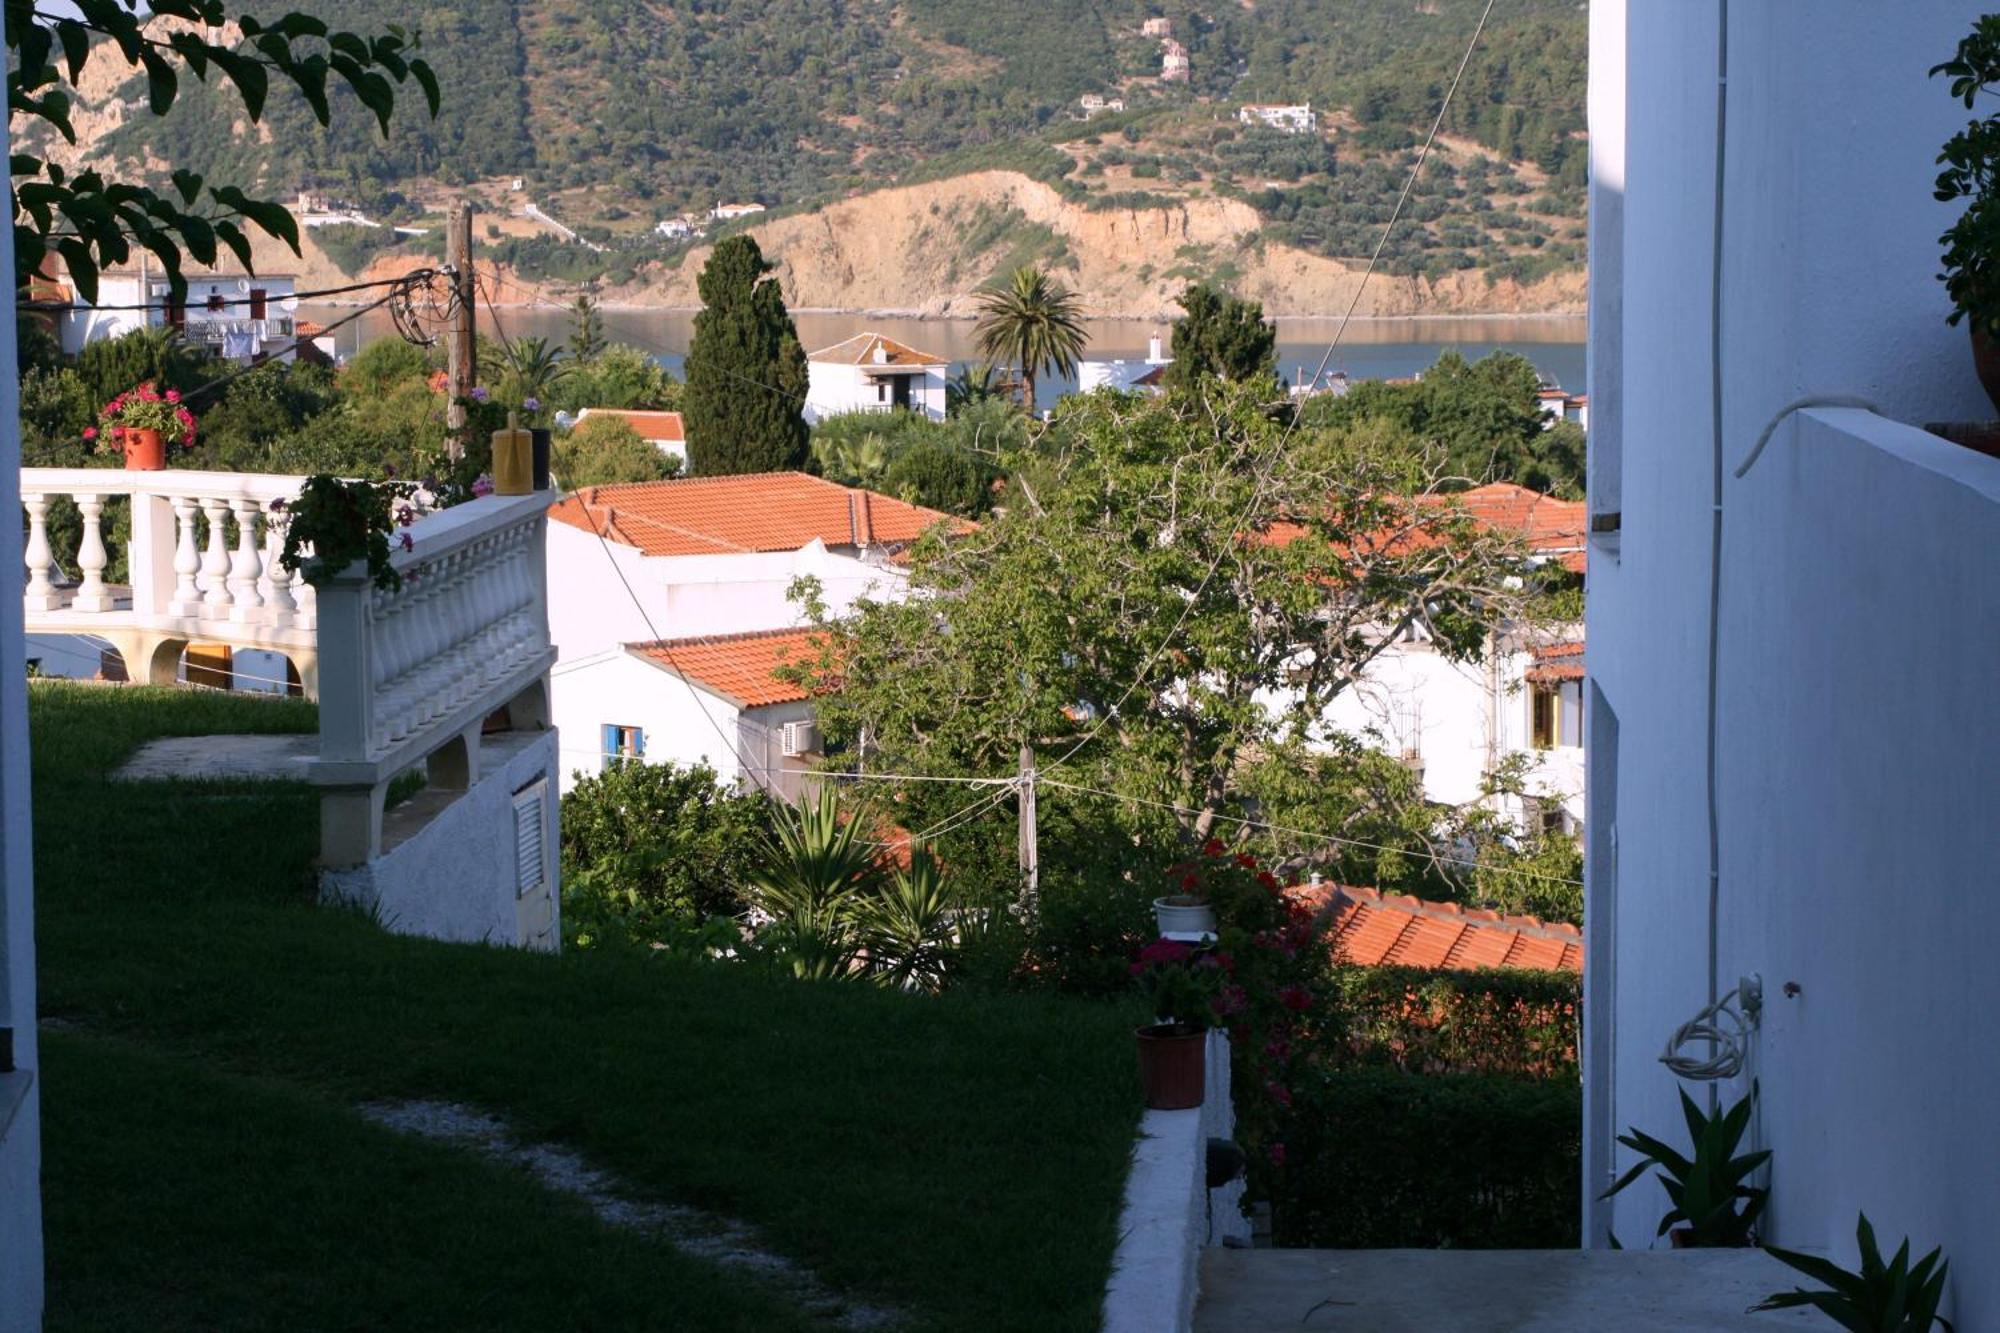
1381	1158
647	847
603	451
939	476
1497	1021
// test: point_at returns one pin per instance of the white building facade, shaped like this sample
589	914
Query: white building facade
1125	374
1299	119
872	373
235	315
1794	747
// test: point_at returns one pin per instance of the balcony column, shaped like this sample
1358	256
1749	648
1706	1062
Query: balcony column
246	566
186	600
91	557
215	560
42	594
277	579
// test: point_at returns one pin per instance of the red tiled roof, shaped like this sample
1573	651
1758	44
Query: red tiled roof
1556	662
654	426
1372	928
736	666
860	351
764	511
1152	379
1554	529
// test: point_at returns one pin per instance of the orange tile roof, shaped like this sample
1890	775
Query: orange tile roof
736	666
763	511
1371	928
860	351
1556	662
1554	529
655	426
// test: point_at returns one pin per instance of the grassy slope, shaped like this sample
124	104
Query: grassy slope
962	1157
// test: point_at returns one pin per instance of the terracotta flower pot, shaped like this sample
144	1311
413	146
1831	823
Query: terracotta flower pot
145	451
1173	1066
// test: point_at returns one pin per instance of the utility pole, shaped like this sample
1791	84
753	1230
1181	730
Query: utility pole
461	353
1031	870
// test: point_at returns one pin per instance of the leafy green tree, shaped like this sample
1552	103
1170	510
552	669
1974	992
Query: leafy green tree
746	370
1220	338
586	330
1032	322
603	451
385	365
621	376
94	222
1118	611
940	476
646	844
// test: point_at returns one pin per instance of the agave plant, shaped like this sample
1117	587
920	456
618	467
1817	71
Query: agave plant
1707	1188
907	925
817	868
1896	1297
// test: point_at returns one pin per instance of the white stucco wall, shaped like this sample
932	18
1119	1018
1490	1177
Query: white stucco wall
1856	728
684	723
456	877
834	388
20	1106
683	597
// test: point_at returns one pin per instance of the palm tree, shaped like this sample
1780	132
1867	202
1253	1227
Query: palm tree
972	384
1032	322
529	369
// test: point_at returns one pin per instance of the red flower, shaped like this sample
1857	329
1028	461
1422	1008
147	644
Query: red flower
1278	1049
1162	951
1276	1152
1279	1093
1295	998
1268	880
90	432
1213	847
1190	881
1247	861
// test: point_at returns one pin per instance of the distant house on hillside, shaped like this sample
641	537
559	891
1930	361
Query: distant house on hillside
228	311
1095	104
873	373
706	558
1557	406
1157	27
724	212
675	229
1174	64
714	701
667	431
1300	119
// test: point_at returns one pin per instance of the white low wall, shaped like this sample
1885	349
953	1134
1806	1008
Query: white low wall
1169	1215
455	877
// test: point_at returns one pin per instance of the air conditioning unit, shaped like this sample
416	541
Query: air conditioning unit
799	738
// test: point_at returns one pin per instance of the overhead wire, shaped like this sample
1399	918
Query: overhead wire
63	307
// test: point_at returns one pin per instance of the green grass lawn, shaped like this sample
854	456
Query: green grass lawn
960	1158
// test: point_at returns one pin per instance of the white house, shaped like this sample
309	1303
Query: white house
1458	722
724	212
20	1058
1094	105
1288	119
1124	374
666	431
1794	744
1558	405
712	700
1174	64
1157	26
231	313
718	555
873	373
676	228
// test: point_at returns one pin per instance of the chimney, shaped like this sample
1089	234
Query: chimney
853	520
881	353
1153	350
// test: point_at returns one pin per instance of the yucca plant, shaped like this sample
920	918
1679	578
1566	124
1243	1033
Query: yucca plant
817	867
1713	1204
907	925
1896	1297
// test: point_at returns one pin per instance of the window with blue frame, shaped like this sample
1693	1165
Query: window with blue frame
623	743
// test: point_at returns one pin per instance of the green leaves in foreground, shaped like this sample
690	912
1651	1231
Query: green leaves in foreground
1895	1297
1706	1188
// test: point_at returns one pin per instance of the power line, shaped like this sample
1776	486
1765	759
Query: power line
60	307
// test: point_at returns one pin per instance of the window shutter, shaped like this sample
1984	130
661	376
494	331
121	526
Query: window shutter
609	746
530	838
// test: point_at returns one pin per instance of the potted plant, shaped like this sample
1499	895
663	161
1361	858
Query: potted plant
1713	1204
143	424
335	522
1971	162
1181	981
1894	1297
1187	913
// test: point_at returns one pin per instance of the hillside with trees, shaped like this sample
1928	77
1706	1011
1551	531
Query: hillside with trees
616	114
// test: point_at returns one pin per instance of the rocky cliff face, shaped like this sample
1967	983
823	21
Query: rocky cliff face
923	249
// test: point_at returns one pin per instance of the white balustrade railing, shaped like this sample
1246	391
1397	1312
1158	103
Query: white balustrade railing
229	588
466	633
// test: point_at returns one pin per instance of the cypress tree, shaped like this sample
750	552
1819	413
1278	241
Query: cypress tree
1221	337
746	372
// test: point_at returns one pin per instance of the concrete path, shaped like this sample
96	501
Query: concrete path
1493	1291
281	757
